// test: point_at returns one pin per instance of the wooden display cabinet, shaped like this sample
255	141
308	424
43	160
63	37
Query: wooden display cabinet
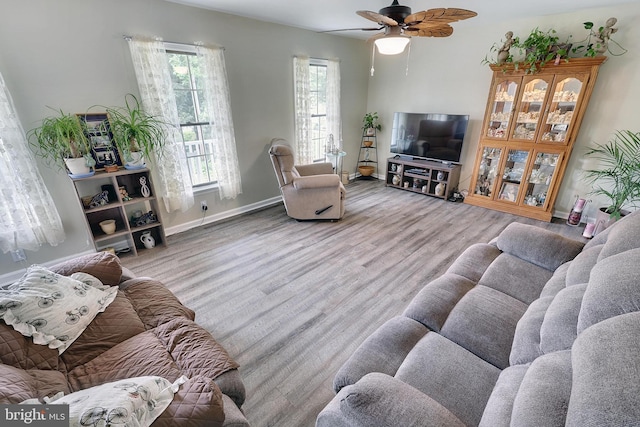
124	210
423	176
530	126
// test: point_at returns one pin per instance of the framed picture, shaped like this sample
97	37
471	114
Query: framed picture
508	192
98	132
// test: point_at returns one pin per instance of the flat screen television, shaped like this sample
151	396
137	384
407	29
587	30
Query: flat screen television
429	136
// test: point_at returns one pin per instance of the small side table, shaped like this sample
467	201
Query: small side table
336	158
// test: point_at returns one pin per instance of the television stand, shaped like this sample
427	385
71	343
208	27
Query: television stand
428	177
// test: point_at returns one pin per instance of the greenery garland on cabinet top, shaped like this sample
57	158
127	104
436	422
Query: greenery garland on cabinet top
540	47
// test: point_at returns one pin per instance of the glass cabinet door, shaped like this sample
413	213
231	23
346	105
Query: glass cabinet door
500	111
512	175
541	178
530	108
559	117
487	171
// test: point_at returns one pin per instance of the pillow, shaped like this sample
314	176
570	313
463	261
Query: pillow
128	402
51	308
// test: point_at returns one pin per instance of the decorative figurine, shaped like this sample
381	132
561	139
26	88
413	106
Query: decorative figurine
124	194
99	199
603	35
503	52
144	189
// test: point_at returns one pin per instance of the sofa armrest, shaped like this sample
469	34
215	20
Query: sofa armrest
381	400
102	265
316	181
315	169
538	246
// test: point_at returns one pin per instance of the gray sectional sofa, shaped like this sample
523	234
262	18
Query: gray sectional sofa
532	329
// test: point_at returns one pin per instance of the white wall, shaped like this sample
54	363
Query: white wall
446	75
70	54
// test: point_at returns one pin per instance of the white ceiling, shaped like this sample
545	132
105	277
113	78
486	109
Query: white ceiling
323	15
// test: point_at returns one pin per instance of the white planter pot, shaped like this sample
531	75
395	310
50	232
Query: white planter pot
77	166
136	160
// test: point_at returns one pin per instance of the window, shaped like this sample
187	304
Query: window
188	86
318	103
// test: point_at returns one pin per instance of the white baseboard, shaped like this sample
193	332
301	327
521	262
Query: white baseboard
12	276
222	215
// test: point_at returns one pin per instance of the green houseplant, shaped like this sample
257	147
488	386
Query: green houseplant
136	133
619	178
541	47
61	140
371	123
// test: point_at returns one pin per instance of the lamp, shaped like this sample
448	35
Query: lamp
392	44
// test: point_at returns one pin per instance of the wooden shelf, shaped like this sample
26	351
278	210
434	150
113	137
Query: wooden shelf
126	235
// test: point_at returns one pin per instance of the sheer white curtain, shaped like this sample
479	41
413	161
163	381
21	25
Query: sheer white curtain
28	216
217	101
334	121
302	126
169	170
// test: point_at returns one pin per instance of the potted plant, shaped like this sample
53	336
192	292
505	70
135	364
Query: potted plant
371	123
541	47
61	140
619	178
136	133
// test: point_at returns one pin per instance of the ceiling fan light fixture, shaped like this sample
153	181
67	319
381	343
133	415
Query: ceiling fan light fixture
392	45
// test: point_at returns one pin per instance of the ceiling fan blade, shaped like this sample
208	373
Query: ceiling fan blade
376	17
439	15
442	30
352	29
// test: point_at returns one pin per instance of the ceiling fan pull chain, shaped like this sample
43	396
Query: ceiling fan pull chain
373	57
406	72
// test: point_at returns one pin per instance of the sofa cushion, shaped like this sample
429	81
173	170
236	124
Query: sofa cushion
199	402
451	375
580	268
17	385
383	351
103	265
606	374
484	322
557	282
544	393
498	411
380	400
432	305
116	324
473	262
516	277
142	355
624	236
560	326
526	340
52	309
20	351
613	289
153	302
538	246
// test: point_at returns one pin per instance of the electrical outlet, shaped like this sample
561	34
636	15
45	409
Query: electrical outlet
18	255
203	205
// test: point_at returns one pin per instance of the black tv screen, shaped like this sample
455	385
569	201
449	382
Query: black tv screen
429	136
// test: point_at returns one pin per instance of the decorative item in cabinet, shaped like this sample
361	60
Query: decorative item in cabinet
134	208
529	129
423	176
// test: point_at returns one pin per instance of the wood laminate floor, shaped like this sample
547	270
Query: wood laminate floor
290	301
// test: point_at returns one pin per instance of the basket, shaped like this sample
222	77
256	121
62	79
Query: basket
365	170
367	143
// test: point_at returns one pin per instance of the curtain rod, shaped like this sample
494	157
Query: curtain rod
129	38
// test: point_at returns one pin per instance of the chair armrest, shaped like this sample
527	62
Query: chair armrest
315	169
382	400
538	246
316	181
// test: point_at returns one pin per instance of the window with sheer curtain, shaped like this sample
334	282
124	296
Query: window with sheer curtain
28	216
154	75
317	107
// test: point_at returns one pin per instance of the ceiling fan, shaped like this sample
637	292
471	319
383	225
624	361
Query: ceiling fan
400	25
